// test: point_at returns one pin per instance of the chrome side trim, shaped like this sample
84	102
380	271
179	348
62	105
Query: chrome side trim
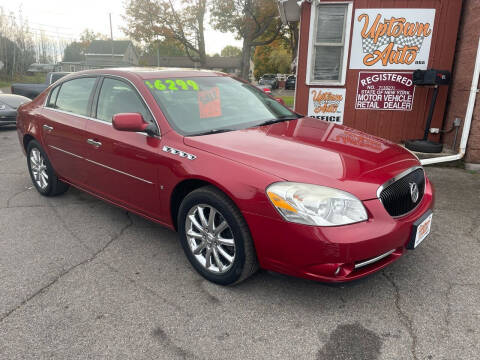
180	153
119	171
396	178
102	165
375	259
66	152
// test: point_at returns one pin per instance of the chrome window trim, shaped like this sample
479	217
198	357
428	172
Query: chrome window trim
103	122
100	164
60	81
375	259
398	177
93	119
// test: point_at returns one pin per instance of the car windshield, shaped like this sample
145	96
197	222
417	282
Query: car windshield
269	76
203	105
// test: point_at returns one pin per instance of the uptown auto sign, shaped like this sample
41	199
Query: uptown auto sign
392	39
327	104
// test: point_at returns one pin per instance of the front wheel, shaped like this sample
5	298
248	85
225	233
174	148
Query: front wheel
215	237
43	176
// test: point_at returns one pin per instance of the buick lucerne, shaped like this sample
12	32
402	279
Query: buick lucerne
245	181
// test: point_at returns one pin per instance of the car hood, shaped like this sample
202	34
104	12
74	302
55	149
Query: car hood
313	151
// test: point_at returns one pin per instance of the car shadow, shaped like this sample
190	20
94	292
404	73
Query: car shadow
4	128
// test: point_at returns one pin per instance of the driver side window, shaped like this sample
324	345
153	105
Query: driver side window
118	97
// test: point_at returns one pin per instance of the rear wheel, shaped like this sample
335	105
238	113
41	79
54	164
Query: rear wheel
215	237
43	176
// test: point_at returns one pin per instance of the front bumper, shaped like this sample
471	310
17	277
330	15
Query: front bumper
330	253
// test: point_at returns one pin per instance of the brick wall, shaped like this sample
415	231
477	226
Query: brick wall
464	63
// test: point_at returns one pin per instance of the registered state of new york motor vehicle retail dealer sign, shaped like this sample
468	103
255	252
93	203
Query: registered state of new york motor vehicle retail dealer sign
385	91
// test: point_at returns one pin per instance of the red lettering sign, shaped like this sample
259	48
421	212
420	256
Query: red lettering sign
209	104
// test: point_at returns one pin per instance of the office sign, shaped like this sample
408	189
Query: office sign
327	104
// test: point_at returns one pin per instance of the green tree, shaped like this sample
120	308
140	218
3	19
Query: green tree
252	20
159	20
75	51
274	58
156	49
230	50
87	36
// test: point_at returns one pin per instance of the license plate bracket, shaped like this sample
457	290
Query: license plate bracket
421	229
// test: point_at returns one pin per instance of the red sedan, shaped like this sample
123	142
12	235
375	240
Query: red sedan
245	181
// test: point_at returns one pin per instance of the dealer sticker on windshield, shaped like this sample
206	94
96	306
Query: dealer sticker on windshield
421	229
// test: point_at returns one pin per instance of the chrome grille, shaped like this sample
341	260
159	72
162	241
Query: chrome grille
396	194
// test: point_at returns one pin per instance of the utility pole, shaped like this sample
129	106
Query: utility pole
158	52
111	34
14	48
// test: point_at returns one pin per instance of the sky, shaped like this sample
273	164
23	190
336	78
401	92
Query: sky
68	18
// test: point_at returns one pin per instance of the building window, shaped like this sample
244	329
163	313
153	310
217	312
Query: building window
329	38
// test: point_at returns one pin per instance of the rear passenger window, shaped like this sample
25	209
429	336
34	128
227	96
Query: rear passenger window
53	97
117	97
74	95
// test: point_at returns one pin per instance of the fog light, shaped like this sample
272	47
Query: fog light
338	270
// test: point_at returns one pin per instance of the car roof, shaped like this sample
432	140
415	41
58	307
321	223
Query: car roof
152	72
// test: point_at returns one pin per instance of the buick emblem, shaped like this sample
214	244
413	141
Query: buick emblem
414	191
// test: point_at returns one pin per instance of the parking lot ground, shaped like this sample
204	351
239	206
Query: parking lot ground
80	278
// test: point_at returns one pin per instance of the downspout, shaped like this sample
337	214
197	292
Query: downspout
468	118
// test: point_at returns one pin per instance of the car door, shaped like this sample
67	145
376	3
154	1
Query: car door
122	165
63	122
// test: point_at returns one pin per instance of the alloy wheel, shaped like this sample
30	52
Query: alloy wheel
210	238
39	168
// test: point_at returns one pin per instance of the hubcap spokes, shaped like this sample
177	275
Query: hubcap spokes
39	168
210	238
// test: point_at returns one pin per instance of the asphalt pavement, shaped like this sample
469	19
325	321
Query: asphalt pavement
82	279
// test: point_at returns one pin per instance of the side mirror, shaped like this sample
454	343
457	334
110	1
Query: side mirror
280	100
132	122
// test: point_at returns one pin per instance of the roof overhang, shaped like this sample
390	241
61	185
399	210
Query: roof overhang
289	10
104	54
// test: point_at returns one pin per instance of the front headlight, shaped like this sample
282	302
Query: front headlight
315	205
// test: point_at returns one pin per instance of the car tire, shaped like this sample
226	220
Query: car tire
41	171
424	146
231	253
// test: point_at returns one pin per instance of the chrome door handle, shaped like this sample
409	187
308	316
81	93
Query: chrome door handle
47	128
94	143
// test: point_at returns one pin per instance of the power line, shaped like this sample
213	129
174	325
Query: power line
47	25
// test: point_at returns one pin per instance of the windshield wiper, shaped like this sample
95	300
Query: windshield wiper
273	121
213	131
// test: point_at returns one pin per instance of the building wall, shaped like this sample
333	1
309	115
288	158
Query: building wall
105	60
131	56
394	125
462	80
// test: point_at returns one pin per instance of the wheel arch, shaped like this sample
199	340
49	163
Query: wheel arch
185	187
26	140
